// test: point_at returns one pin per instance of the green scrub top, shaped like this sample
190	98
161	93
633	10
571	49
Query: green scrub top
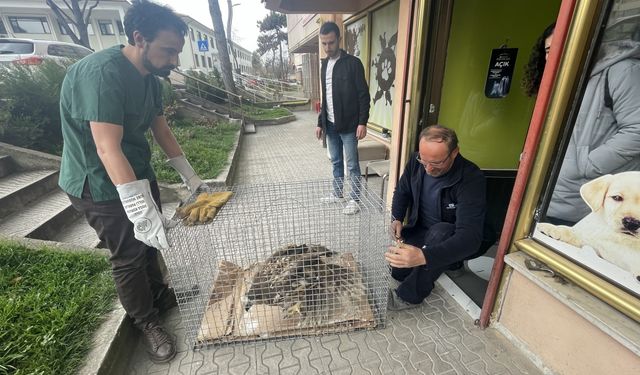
105	87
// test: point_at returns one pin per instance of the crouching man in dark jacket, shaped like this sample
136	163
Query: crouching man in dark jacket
445	195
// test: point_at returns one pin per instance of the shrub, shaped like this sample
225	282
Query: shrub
211	91
169	101
30	113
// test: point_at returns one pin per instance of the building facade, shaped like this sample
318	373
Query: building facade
241	59
200	50
33	19
441	62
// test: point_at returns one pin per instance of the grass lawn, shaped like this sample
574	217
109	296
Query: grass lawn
206	144
257	113
51	302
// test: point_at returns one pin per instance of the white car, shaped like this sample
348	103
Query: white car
34	52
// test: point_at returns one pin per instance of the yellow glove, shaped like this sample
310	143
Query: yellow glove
204	209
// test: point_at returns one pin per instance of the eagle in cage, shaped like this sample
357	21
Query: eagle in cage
305	281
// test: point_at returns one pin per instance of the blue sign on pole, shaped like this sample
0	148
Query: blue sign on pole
203	45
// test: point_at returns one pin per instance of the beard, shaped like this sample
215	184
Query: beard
162	72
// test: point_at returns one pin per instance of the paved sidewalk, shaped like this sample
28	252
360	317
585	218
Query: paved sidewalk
437	338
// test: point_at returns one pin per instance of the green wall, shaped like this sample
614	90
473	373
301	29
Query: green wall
491	131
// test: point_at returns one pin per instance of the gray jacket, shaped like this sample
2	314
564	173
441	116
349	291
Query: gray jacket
605	138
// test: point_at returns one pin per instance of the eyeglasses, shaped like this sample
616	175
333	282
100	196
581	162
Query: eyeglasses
434	164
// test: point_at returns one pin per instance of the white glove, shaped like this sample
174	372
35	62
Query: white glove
186	172
148	221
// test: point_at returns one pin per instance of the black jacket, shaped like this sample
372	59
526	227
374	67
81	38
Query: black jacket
350	94
462	202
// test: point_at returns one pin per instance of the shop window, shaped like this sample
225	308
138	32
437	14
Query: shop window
120	27
106	27
590	211
29	25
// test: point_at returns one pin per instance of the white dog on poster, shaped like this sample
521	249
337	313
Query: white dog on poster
612	229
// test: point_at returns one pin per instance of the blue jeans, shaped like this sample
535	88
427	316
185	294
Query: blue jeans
336	142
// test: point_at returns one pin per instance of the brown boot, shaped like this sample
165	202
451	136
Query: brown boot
158	342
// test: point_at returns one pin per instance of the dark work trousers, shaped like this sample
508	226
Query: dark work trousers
134	265
418	282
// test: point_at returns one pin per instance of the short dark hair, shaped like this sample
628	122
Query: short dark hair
330	27
440	134
148	18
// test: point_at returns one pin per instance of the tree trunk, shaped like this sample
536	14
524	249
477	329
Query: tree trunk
80	17
282	71
229	28
229	19
223	51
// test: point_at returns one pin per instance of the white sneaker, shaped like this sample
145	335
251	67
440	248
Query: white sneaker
331	199
351	208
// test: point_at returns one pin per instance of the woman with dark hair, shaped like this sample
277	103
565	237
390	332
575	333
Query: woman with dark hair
537	60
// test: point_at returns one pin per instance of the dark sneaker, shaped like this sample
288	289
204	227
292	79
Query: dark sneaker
165	301
395	303
455	270
158	342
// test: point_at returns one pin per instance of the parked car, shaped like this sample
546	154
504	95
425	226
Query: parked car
34	52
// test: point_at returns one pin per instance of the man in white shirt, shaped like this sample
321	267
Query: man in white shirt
344	113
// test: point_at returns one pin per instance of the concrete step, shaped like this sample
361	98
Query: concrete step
78	233
41	218
249	128
20	188
7	166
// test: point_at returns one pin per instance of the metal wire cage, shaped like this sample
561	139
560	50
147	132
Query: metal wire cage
278	262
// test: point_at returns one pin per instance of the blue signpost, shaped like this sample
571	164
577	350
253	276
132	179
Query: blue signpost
203	45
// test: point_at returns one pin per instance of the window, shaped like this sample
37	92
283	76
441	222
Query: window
120	27
212	43
597	172
199	36
64	31
106	27
29	25
203	62
15	46
197	61
3	30
63	50
209	61
191	32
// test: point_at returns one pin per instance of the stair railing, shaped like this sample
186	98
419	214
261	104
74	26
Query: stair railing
205	90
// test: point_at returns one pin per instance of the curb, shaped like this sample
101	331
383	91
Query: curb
275	121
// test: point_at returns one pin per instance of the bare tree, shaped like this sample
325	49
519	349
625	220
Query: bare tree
229	19
223	51
229	37
77	15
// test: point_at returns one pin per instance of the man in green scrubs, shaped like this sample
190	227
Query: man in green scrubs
108	102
